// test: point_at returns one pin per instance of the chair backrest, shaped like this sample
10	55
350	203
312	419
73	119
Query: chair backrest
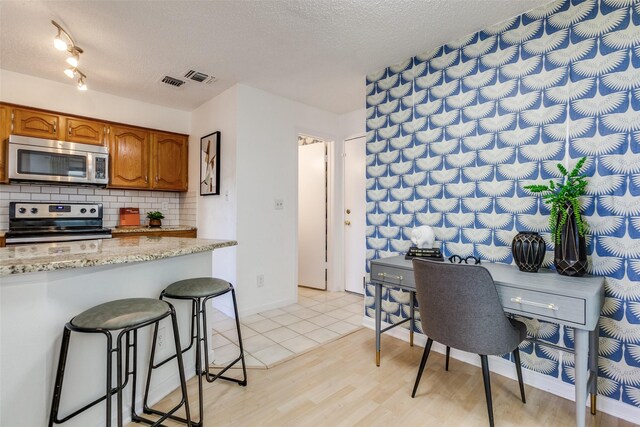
459	307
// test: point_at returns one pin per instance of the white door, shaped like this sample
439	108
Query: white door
312	216
354	214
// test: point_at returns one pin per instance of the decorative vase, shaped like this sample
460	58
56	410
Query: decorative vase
155	223
528	249
570	256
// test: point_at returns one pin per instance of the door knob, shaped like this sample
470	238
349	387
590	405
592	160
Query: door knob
347	222
348	211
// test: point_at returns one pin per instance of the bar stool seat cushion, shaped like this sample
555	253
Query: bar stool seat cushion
123	313
197	287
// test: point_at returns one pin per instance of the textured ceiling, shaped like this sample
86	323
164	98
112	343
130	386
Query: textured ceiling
313	51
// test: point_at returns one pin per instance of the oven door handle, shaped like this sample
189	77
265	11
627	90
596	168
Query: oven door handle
45	239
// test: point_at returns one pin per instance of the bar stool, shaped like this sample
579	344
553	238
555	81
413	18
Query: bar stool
199	290
127	315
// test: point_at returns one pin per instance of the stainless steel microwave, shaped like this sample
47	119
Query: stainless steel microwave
62	162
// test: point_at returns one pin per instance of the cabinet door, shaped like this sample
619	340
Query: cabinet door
85	131
170	160
36	123
129	157
5	126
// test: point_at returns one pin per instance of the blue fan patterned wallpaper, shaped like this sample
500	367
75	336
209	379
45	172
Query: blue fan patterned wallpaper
453	136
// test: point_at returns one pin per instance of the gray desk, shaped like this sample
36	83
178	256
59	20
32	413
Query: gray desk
571	301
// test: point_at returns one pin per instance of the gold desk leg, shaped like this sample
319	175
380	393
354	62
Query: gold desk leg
377	358
593	404
411	338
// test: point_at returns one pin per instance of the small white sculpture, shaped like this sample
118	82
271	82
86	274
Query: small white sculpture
423	237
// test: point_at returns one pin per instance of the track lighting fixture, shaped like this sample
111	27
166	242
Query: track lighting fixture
63	41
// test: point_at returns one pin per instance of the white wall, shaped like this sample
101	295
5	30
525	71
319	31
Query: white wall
267	169
216	215
40	93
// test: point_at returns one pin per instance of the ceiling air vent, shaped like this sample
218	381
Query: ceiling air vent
199	77
172	81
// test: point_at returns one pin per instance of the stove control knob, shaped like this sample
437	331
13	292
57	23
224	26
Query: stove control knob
34	210
83	210
22	210
93	210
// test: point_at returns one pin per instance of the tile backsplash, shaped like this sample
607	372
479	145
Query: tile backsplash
112	200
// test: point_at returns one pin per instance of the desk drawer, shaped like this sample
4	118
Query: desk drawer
392	276
542	305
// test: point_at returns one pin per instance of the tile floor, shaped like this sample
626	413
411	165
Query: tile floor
274	336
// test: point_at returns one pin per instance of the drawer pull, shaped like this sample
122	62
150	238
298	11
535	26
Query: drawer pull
388	276
519	300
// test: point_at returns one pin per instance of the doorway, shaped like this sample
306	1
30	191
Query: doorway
354	214
313	211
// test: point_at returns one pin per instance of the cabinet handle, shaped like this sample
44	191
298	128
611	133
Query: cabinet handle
156	179
389	276
12	115
146	178
550	306
69	130
55	126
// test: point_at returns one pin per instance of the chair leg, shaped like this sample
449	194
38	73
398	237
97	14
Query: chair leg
423	362
446	363
516	356
487	386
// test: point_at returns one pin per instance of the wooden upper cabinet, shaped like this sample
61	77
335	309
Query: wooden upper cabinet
35	123
5	126
169	161
85	131
129	151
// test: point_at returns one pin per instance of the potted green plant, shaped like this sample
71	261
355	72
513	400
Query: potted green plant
565	219
155	218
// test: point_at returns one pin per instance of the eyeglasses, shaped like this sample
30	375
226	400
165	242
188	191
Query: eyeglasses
458	259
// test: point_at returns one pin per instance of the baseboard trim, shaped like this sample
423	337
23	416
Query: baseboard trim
505	368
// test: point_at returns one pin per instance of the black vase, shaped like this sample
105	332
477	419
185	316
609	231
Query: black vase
528	249
570	256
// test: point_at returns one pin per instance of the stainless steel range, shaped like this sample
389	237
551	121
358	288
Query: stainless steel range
32	222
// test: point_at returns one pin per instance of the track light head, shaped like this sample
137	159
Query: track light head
70	72
73	59
60	44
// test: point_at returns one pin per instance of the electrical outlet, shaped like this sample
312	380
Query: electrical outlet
162	337
165	206
278	204
260	280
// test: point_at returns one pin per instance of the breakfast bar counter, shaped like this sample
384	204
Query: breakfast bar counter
88	253
42	286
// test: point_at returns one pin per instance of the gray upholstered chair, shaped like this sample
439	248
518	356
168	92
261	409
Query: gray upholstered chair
460	308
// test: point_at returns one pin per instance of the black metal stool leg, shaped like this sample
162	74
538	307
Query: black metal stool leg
57	390
119	377
210	377
183	384
152	356
235	310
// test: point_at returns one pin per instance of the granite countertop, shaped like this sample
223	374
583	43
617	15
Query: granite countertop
145	228
88	253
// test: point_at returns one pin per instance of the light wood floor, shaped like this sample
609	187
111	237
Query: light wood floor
338	384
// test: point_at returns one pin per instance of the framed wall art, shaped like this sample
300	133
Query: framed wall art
210	164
